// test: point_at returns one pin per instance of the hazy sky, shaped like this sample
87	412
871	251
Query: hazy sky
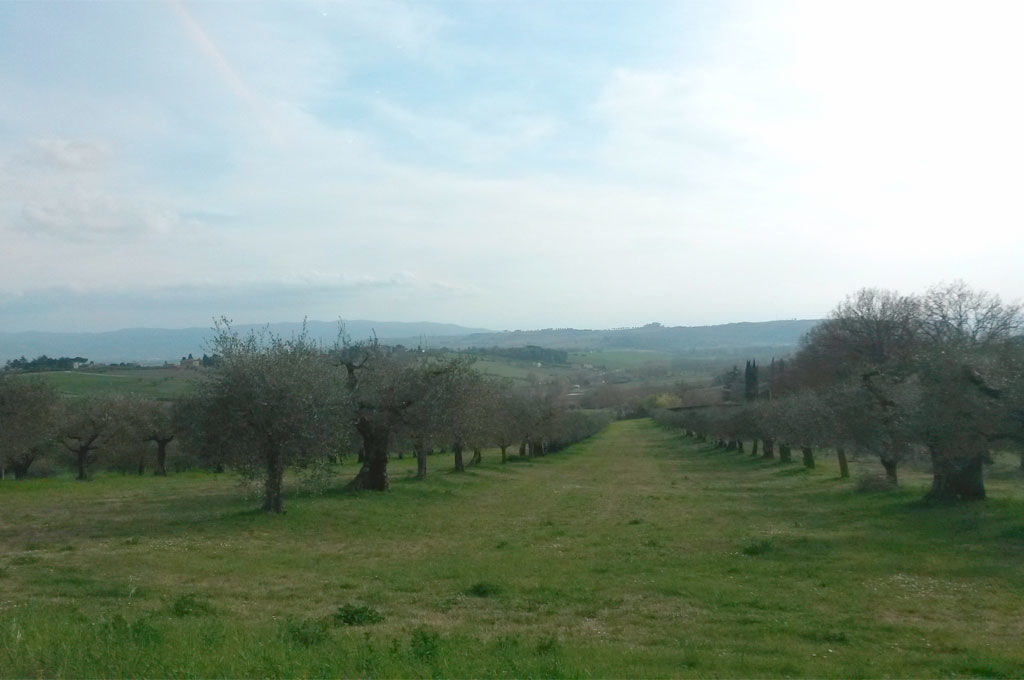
501	164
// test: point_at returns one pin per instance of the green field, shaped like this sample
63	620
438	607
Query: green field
636	553
158	383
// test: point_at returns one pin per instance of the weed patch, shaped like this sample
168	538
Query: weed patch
190	604
356	615
483	589
424	644
306	633
757	547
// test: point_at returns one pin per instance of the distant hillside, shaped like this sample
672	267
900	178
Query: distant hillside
156	345
765	334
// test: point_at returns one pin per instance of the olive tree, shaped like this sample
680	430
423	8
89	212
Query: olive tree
90	424
391	391
271	403
27	422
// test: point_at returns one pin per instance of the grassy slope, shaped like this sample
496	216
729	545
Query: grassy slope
624	556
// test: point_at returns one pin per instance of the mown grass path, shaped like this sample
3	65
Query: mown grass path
637	553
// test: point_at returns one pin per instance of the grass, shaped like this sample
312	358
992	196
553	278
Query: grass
158	383
637	553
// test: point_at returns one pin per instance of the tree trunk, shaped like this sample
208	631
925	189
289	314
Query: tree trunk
808	453
82	454
421	460
504	457
272	501
753	449
457	450
19	465
956	478
769	448
477	457
844	465
522	448
739	445
890	470
142	465
785	453
373	475
161	457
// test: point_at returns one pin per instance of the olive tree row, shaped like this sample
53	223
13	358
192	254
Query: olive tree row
890	375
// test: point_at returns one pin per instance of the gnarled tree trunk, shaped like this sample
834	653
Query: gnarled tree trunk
769	447
785	453
421	459
504	456
373	475
477	457
808	454
753	449
890	469
956	478
161	456
460	466
272	500
844	465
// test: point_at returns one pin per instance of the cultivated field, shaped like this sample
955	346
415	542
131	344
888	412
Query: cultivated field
636	553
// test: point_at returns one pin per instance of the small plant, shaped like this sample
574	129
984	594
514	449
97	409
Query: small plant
424	643
134	540
483	589
635	521
355	615
548	645
190	604
758	547
501	544
306	633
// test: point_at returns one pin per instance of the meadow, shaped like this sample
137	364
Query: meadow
636	553
156	383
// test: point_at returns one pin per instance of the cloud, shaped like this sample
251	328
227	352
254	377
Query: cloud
71	190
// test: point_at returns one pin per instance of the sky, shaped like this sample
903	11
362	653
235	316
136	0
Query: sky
501	164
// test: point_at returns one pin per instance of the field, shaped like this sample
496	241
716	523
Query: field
636	553
158	383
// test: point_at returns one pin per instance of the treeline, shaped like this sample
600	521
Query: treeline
939	376
45	363
543	355
271	404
